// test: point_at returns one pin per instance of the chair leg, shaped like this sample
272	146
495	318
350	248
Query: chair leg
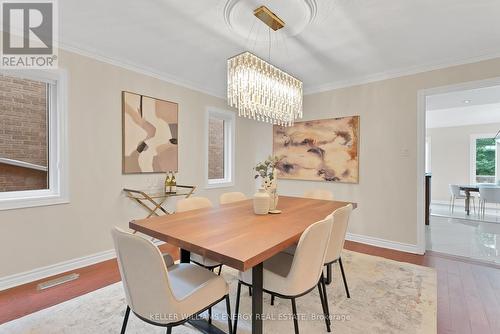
325	300
343	278
322	297
237	309
295	318
329	274
125	320
272	300
229	322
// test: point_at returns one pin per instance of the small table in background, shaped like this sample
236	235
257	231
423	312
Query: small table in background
153	201
468	189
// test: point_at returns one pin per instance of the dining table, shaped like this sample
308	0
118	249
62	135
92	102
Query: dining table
232	234
468	189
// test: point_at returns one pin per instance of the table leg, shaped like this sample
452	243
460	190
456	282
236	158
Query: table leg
185	256
467	202
257	302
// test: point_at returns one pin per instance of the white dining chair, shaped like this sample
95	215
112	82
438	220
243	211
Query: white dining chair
195	203
488	194
319	194
162	296
456	193
291	276
232	197
334	253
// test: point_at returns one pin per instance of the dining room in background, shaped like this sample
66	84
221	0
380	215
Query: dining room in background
319	150
149	133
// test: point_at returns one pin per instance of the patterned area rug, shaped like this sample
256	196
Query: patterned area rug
386	297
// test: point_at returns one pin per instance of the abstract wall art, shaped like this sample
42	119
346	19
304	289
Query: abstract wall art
319	150
149	134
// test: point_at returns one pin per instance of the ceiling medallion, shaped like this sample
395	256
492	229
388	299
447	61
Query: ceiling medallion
260	90
299	14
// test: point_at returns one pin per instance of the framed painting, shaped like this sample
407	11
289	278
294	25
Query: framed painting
149	134
319	150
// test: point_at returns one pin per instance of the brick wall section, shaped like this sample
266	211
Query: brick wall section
14	178
23	130
215	149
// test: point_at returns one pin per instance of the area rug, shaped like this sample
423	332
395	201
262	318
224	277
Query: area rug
386	297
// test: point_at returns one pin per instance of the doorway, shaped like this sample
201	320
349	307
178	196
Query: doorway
460	150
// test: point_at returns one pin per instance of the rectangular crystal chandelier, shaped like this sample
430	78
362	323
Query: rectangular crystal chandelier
262	91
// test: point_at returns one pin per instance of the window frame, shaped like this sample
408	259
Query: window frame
58	188
472	155
229	143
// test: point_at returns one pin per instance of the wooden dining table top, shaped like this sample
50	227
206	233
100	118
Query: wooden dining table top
233	234
475	187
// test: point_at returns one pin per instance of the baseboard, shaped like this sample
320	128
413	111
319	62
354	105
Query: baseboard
377	242
11	281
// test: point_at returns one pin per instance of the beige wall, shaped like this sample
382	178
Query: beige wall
450	156
36	237
387	191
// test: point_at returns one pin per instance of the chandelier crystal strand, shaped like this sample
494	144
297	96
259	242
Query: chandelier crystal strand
262	91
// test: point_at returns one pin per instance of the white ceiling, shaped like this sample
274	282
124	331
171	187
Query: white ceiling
465	107
464	98
331	43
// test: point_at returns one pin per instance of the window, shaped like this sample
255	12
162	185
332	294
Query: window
219	148
483	158
32	139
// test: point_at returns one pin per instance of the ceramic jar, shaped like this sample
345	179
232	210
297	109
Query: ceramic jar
261	202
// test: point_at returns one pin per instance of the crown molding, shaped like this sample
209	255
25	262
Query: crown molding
307	90
94	54
398	73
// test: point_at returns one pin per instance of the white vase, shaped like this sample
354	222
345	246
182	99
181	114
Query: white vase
273	200
261	202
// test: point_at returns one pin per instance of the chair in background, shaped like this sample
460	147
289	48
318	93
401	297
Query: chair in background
291	276
319	194
231	197
163	296
194	203
488	194
456	193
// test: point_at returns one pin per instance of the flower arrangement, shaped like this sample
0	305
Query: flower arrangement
267	171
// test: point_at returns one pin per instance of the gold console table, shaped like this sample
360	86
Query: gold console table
153	202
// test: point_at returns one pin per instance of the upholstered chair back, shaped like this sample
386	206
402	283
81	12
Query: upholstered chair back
309	257
192	203
144	276
232	197
319	194
340	222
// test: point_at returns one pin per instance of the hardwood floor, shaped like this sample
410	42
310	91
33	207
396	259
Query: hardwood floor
25	299
468	291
